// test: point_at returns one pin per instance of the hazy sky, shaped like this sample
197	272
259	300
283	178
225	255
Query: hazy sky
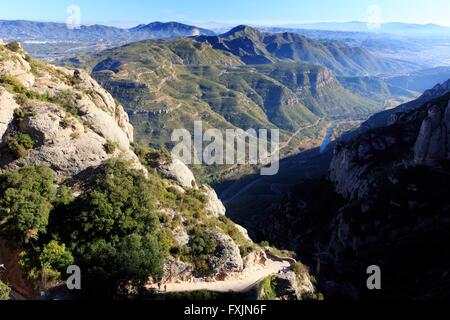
262	12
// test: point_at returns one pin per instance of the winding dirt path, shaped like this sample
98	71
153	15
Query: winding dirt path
241	283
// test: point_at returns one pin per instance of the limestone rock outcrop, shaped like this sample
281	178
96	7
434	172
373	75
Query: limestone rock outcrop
8	106
179	172
432	144
227	258
289	286
420	136
73	122
175	270
213	205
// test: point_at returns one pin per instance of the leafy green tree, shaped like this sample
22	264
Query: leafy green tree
26	197
56	257
202	247
20	144
112	231
5	291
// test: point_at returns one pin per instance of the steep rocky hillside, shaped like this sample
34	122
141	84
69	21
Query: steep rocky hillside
386	117
379	89
69	119
386	205
397	182
75	189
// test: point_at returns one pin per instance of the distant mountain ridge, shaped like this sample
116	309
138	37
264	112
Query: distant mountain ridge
165	30
256	47
22	30
398	28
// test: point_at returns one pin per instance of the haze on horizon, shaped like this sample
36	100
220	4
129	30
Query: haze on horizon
232	12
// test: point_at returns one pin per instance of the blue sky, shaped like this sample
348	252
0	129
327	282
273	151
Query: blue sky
258	12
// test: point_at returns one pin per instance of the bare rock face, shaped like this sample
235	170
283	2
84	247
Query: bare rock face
180	236
255	259
352	164
8	106
346	171
243	231
227	258
420	136
213	205
432	144
176	271
17	66
323	78
68	139
67	151
290	287
105	102
178	172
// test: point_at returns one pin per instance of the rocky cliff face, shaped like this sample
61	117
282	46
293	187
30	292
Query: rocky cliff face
433	143
386	204
419	136
72	122
438	90
323	78
394	182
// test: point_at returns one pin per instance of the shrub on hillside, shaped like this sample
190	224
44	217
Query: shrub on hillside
14	46
5	292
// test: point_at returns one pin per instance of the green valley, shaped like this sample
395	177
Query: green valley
169	84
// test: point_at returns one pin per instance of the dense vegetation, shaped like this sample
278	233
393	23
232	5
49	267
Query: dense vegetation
4	291
111	231
114	231
27	197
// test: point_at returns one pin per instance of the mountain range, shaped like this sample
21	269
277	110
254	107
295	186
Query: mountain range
241	79
245	79
256	47
51	41
48	31
396	28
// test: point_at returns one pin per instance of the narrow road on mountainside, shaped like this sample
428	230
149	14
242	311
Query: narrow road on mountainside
285	145
241	283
